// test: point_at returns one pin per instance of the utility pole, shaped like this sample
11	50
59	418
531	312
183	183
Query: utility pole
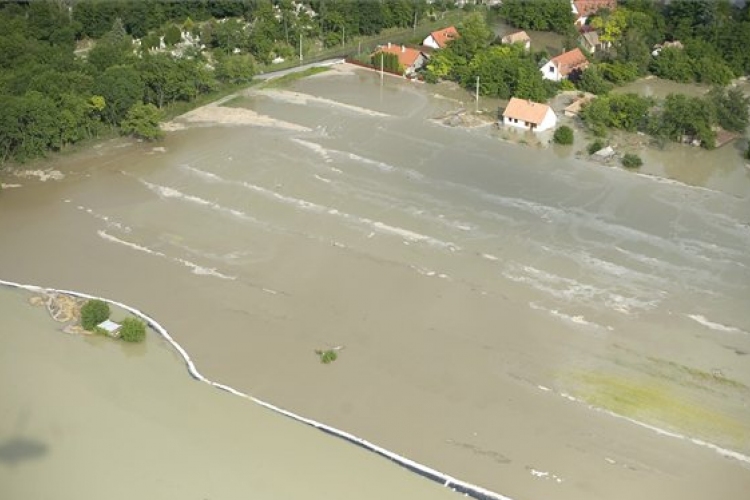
300	48
382	56
343	36
477	96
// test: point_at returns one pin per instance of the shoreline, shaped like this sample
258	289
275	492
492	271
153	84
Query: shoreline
436	476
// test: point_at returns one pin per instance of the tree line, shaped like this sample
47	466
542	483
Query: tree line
53	93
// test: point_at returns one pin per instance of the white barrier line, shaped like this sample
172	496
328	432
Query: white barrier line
428	472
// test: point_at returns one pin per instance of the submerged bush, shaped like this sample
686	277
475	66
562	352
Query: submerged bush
563	135
327	356
133	330
631	160
94	312
595	146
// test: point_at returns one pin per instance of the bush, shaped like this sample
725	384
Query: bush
133	330
747	153
631	160
94	312
595	146
327	357
563	135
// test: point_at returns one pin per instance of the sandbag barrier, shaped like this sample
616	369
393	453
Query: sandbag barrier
445	480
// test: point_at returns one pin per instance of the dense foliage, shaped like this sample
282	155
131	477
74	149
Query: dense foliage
94	312
387	61
539	15
132	330
563	135
502	71
72	70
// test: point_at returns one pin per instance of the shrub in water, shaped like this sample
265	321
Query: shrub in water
595	146
563	135
631	161
133	330
94	312
327	357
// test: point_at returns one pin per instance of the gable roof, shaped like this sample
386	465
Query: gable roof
445	35
517	37
585	8
528	111
569	61
406	55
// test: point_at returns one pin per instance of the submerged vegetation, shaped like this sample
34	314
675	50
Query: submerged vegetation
327	356
94	312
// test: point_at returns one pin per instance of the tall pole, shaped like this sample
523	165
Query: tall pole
343	36
382	56
300	48
477	96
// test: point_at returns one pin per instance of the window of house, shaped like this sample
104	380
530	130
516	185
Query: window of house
551	69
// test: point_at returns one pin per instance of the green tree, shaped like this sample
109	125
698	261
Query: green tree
238	68
94	312
683	117
540	15
563	135
133	330
172	36
475	35
121	87
113	49
142	121
731	108
591	80
673	64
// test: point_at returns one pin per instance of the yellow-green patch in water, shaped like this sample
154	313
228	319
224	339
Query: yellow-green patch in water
656	402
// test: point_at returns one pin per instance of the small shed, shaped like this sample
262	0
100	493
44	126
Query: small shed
109	326
605	153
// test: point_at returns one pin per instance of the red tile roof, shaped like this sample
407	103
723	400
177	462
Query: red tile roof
406	55
567	62
586	8
528	111
445	35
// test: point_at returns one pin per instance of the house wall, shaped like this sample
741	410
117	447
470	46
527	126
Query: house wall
418	64
550	121
549	71
518	123
430	42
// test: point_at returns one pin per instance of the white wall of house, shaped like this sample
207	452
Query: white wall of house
430	42
550	72
549	121
418	64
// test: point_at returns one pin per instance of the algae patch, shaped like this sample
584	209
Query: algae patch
653	401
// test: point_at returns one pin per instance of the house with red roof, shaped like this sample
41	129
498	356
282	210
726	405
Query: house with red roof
562	66
411	60
529	115
583	9
440	38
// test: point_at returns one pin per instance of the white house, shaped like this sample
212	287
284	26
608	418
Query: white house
440	38
529	115
560	67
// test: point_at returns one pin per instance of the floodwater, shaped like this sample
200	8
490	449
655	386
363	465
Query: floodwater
498	308
90	417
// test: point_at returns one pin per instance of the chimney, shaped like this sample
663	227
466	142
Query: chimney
403	49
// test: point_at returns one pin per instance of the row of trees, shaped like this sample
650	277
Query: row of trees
676	118
52	96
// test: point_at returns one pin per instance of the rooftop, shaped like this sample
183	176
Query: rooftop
528	111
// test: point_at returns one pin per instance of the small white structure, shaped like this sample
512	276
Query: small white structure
518	37
529	115
109	326
440	38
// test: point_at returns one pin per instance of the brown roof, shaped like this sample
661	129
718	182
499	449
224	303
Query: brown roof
445	35
406	55
587	7
569	61
528	111
517	37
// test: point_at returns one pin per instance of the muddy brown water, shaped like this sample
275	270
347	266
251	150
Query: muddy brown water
472	284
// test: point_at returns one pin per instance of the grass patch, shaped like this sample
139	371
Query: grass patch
291	77
653	401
